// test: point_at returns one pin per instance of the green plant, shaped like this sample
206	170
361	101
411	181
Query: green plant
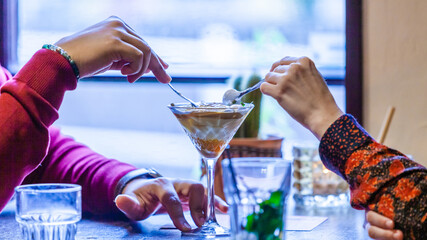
251	125
268	219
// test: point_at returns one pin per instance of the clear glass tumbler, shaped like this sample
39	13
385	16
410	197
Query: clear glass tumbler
316	186
256	190
48	211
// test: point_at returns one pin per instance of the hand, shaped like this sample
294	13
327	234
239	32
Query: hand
299	88
143	197
113	45
380	227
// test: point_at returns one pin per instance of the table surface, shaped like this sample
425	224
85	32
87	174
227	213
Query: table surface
342	223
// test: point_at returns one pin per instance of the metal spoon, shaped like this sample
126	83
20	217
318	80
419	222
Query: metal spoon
232	95
179	94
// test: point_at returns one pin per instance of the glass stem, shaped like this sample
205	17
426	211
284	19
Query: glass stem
210	167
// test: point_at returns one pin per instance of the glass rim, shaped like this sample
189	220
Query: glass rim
184	105
61	187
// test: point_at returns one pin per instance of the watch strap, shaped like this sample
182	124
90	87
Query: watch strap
142	173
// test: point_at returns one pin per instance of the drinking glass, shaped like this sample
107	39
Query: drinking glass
48	211
256	189
210	127
314	184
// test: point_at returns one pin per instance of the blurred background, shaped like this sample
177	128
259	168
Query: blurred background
207	43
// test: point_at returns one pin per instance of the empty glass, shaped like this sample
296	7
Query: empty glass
316	186
48	211
256	190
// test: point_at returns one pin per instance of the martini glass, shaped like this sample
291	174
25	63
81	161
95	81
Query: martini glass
210	127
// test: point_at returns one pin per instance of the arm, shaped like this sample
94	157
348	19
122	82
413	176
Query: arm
68	161
29	102
28	106
380	179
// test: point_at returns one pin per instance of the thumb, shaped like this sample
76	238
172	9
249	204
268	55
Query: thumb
131	207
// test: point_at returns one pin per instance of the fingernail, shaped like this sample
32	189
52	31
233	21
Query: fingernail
389	223
187	226
202	220
396	235
115	199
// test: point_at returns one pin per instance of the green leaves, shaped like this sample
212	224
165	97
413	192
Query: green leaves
267	224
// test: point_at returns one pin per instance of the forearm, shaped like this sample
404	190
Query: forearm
380	178
71	162
28	106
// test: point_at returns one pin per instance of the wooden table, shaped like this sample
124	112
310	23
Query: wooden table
342	223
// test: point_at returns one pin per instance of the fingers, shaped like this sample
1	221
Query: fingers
384	234
380	227
281	68
170	201
378	220
131	207
150	59
195	193
221	205
157	69
196	198
270	86
284	61
134	58
164	64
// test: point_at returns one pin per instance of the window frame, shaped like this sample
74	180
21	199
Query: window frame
353	70
353	78
8	32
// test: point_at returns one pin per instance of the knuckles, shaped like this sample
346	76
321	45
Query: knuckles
307	62
161	181
171	200
115	22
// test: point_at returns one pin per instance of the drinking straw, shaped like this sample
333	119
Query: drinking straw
231	169
386	124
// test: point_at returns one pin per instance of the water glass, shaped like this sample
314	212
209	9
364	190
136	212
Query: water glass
314	184
48	211
256	189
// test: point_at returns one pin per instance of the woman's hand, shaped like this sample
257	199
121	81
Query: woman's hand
381	228
113	45
299	88
143	197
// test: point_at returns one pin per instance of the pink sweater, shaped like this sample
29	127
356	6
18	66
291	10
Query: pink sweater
32	151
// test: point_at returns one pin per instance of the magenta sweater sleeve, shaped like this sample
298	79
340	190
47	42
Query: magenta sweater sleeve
70	162
28	107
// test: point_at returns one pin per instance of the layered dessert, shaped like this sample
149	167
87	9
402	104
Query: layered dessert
211	125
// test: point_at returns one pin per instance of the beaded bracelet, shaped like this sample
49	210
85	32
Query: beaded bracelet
66	56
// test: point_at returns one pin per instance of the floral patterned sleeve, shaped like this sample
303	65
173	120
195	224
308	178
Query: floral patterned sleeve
380	178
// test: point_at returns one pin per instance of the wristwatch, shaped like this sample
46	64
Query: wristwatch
142	173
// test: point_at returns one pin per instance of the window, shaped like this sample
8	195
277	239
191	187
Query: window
201	38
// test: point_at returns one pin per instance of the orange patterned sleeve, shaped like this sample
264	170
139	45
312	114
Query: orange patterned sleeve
380	178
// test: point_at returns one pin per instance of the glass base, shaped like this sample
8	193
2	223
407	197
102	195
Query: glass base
322	201
210	229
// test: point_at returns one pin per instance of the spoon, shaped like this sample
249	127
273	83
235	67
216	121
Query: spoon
232	95
193	104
